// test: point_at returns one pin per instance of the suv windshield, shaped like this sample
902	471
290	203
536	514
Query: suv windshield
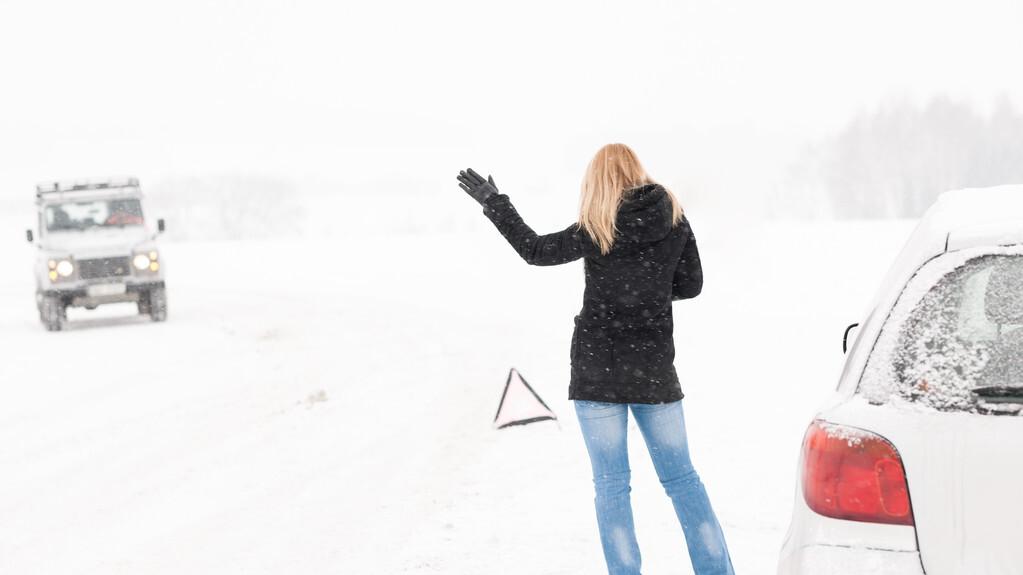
93	214
955	337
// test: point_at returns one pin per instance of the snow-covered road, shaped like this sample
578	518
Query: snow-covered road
324	407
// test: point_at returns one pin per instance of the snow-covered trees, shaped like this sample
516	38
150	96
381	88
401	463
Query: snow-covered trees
895	160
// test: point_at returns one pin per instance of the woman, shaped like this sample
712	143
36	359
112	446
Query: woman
640	255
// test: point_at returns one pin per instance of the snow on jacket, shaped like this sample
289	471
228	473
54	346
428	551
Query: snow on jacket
623	348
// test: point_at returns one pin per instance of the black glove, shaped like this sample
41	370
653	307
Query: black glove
476	186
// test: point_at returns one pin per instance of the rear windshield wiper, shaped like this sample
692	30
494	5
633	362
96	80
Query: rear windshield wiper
999	399
1000	393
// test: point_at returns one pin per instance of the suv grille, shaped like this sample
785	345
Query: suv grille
104	268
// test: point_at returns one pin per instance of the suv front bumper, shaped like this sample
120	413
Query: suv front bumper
80	295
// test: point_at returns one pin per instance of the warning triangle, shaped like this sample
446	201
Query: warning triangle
520	404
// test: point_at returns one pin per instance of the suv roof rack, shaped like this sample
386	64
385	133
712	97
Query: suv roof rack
45	188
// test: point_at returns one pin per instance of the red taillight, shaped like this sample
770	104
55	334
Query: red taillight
853	474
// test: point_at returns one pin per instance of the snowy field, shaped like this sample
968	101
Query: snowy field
322	404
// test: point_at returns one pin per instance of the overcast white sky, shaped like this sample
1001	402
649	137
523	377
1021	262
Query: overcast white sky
712	94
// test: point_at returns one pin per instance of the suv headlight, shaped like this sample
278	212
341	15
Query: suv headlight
60	268
65	268
148	261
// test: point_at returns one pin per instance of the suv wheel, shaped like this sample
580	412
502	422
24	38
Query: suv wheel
53	313
158	304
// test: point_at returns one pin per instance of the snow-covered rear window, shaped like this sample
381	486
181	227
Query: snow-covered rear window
954	340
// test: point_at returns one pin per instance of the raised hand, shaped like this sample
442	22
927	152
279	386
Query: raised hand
476	186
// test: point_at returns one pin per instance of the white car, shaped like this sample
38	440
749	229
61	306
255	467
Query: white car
915	464
94	248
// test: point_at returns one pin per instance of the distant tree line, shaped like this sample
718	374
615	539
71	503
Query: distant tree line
895	161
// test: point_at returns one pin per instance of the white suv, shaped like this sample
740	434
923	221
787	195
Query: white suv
915	465
94	249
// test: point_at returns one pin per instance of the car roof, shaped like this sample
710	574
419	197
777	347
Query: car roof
981	217
973	217
52	198
85	190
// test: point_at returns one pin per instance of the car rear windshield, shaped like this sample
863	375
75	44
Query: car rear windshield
954	340
94	214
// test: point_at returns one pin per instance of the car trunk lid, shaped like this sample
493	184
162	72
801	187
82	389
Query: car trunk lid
965	477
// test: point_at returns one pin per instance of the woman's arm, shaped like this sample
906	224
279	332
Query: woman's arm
688	280
561	247
548	250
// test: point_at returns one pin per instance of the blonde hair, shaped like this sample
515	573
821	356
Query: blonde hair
613	170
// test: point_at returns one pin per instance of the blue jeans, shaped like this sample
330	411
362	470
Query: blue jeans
604	428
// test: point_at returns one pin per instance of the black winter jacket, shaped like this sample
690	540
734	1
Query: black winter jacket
623	349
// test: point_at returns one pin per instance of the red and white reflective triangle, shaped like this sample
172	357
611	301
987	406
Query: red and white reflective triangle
520	404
